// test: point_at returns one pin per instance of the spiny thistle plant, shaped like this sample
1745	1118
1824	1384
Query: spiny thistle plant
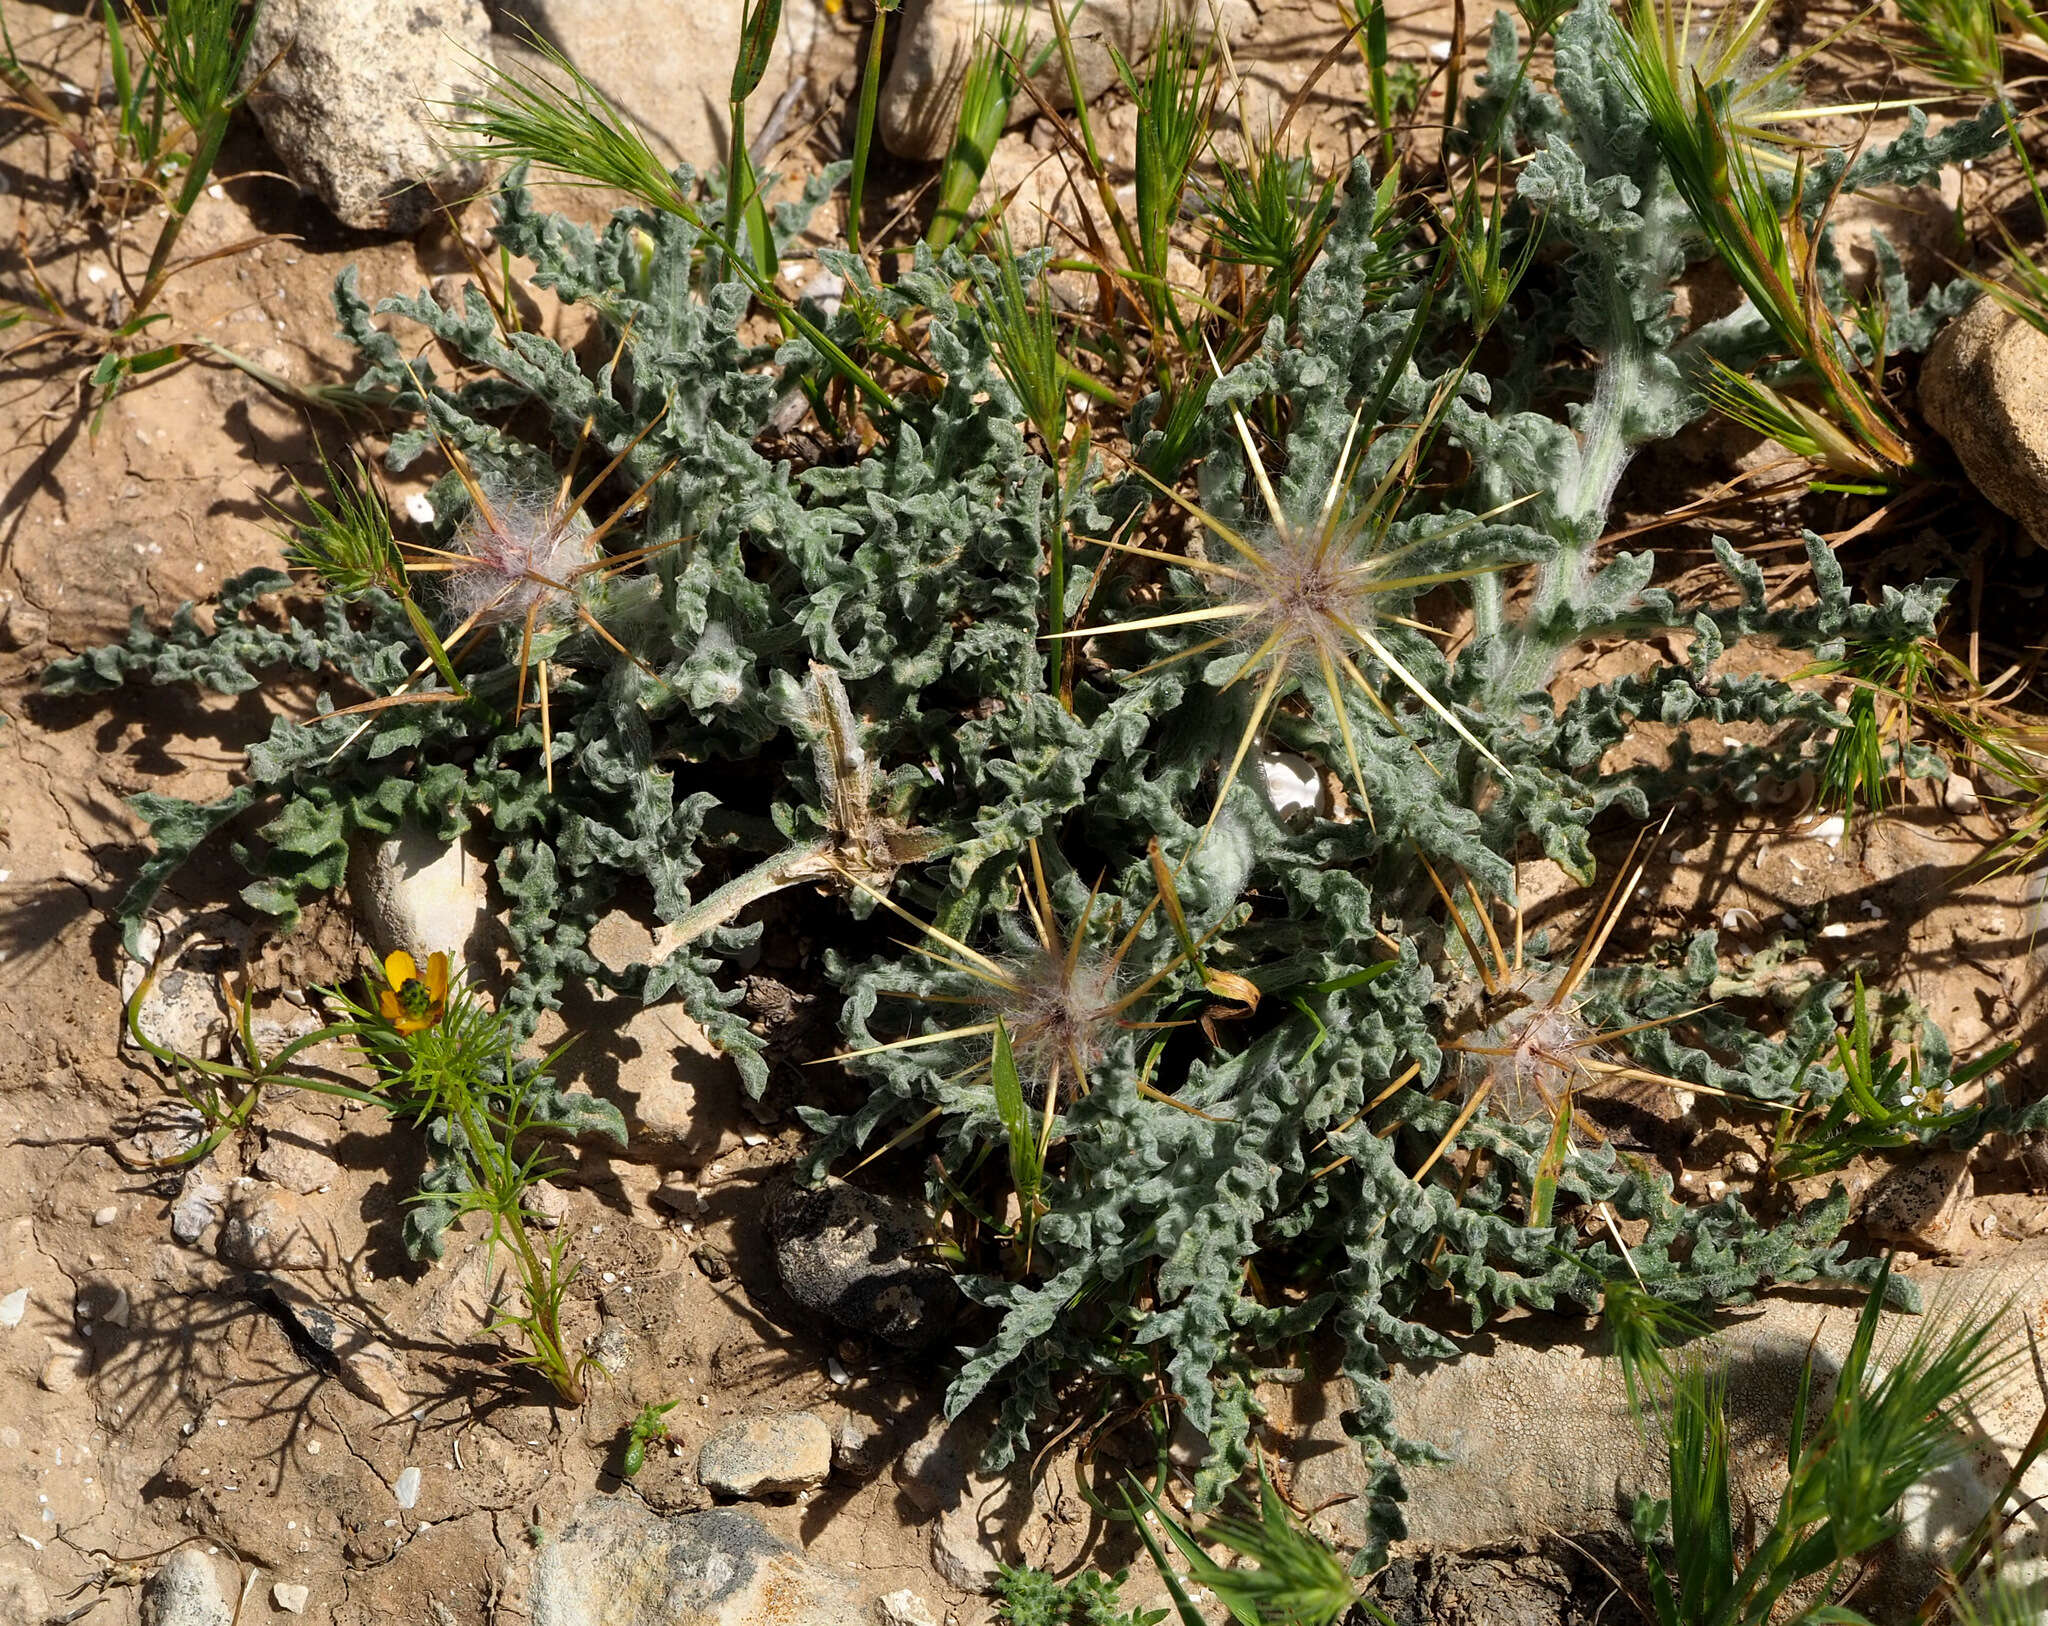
1306	600
1345	543
1530	1045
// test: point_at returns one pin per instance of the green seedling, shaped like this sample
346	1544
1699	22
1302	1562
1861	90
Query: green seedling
649	1427
1876	1099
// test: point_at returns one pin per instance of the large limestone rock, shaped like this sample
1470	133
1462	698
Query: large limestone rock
419	893
920	100
1985	387
1538	1436
351	94
617	1563
667	64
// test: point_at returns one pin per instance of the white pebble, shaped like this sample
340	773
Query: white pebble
1836	929
418	509
407	1490
107	1215
835	1369
14	1307
1830	829
291	1599
95	274
217	192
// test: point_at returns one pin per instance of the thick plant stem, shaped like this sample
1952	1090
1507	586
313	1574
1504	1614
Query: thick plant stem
1523	664
810	861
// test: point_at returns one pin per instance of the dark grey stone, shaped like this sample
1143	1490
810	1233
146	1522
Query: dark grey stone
857	1259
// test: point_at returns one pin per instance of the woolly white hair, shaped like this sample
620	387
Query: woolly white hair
522	553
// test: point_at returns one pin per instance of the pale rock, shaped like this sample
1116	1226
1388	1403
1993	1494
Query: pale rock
920	100
101	1301
350	94
680	1096
13	1307
1538	1434
67	1363
295	1156
185	1012
548	1203
1958	795
778	1455
939	1473
170	1132
1985	387
268	1229
860	1447
290	1597
22	1597
421	894
939	1469
609	1346
903	1608
960	1551
376	1372
198	1207
668	67
618	1563
186	1592
103	1217
1917	1204
406	1491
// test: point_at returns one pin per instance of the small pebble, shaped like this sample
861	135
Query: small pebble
107	1215
835	1369
418	509
1830	829
289	1597
1837	929
14	1307
407	1490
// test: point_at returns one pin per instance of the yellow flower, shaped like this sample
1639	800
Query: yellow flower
413	1002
